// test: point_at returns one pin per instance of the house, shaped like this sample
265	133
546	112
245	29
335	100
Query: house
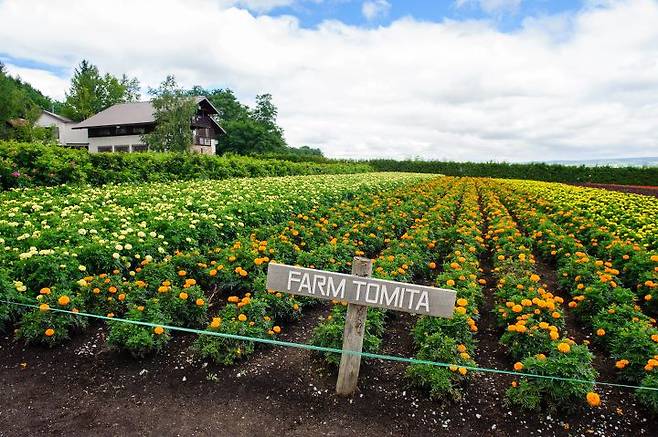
63	130
119	128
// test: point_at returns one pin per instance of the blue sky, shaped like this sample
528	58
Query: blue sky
508	16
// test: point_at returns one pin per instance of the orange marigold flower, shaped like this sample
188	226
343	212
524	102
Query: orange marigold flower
158	330
63	300
593	399
242	317
49	332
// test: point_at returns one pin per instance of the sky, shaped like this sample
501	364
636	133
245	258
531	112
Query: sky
476	80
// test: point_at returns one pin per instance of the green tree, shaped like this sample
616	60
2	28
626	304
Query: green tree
91	92
173	112
19	100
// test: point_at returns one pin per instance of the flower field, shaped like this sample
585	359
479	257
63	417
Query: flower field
561	280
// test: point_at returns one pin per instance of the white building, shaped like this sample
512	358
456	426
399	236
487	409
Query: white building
63	129
119	128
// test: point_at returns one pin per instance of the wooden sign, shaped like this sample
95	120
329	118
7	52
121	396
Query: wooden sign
360	291
390	295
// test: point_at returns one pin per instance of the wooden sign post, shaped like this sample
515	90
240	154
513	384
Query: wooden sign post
361	291
355	328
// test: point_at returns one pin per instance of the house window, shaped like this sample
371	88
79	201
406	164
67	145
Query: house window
100	132
122	148
122	130
138	130
140	148
104	149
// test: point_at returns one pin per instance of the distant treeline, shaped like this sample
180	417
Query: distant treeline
534	171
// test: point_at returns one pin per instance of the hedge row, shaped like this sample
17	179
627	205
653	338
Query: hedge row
32	164
534	171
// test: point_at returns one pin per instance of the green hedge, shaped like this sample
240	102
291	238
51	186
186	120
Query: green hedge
534	171
33	164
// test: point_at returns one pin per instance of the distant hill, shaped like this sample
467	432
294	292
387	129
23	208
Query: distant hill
651	161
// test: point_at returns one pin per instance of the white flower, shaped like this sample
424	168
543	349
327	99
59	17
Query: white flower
116	255
82	231
141	234
82	268
118	247
128	246
153	234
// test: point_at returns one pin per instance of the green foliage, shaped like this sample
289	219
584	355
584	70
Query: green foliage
36	164
91	92
34	324
226	351
173	116
535	393
649	398
19	100
441	382
11	292
533	171
330	333
140	340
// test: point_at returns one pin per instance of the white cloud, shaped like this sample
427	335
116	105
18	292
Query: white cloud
372	9
456	90
491	6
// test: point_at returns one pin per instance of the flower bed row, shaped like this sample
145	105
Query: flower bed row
452	340
636	266
533	320
598	299
404	259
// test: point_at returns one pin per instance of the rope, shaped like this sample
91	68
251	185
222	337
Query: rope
282	343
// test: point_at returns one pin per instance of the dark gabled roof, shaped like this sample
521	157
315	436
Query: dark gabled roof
123	114
57	116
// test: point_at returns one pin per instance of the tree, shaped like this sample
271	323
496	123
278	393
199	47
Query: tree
248	136
173	112
20	106
91	92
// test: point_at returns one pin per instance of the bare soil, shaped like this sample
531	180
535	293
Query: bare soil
84	389
647	190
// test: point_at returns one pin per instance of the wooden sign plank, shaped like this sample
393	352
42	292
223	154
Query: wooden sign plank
396	296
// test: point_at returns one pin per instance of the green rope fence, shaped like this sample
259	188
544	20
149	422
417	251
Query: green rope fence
282	343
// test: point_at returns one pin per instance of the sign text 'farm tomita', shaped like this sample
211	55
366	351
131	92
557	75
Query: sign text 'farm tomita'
396	296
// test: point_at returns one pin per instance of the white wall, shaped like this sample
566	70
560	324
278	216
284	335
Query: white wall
66	134
121	140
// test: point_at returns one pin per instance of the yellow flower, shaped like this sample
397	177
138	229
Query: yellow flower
564	347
